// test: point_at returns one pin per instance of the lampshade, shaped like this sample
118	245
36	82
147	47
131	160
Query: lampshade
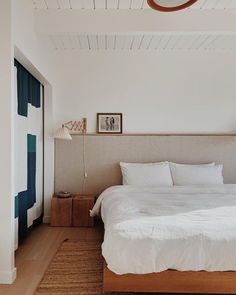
63	133
170	5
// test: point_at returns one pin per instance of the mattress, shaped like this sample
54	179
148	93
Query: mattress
154	229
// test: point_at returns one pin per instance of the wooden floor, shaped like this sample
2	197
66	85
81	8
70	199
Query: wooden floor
34	255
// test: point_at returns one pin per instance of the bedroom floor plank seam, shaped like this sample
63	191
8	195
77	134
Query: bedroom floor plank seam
37	251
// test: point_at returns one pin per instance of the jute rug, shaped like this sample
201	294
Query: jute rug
76	269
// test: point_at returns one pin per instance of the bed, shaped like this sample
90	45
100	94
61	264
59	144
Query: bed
169	239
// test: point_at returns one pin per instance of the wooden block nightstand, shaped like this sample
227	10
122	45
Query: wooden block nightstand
81	206
61	211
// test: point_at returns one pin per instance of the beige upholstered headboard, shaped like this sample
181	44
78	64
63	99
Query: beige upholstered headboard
104	152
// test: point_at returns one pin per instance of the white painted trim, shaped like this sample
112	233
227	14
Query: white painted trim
6	156
8	277
46	219
48	152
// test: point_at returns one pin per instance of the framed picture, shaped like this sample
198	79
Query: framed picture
109	123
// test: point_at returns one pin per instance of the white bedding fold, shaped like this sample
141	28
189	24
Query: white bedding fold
154	229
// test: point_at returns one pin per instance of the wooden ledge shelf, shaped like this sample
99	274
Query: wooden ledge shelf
158	134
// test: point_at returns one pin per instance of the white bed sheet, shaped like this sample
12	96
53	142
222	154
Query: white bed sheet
154	229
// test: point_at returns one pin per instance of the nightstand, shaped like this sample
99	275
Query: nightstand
82	204
61	211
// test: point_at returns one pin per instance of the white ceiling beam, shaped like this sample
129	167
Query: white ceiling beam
127	21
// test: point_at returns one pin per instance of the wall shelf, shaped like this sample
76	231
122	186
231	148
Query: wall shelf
156	134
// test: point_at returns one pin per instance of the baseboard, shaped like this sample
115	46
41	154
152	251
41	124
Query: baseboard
8	277
46	219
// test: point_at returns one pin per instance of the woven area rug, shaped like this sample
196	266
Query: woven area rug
76	269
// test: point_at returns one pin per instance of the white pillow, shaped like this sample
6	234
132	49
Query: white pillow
194	165
197	175
150	174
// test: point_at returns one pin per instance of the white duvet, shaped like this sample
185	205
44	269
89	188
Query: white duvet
154	229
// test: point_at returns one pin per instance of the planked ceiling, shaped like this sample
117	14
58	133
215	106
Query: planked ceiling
144	42
194	41
123	4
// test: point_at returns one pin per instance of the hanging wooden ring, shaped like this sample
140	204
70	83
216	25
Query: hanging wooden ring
154	5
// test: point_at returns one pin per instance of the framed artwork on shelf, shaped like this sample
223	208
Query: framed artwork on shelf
109	123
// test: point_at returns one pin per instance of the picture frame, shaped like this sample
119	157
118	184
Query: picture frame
109	123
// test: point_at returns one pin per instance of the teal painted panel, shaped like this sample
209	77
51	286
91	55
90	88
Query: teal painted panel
31	142
23	207
31	170
17	206
28	90
26	200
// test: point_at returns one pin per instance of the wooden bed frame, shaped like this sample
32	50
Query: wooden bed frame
171	281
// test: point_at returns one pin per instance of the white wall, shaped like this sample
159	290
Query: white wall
17	32
29	44
173	92
7	270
